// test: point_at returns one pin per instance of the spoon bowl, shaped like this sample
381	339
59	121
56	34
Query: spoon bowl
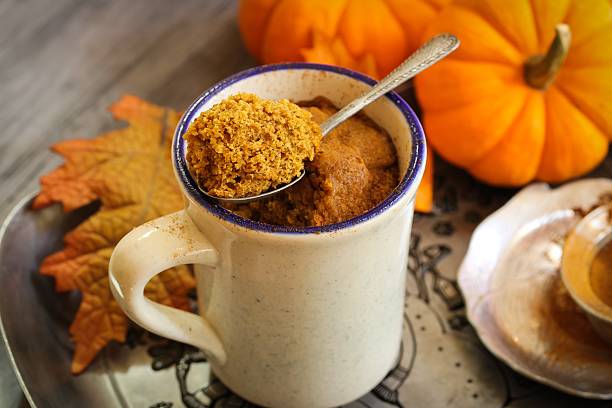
249	199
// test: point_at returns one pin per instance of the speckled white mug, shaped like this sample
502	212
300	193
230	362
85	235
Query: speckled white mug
289	317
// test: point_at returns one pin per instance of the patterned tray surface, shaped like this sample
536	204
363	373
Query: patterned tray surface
442	362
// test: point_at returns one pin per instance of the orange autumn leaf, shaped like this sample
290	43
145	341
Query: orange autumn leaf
129	171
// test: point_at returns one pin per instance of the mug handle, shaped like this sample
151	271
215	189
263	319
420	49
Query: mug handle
148	250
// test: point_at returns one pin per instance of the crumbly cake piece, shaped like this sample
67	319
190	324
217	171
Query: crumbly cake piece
246	145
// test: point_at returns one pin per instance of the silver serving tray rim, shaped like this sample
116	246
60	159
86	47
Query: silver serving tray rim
7	221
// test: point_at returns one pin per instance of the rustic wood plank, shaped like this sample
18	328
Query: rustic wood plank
98	52
62	62
62	88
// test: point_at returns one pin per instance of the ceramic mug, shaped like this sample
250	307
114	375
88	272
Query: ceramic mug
289	317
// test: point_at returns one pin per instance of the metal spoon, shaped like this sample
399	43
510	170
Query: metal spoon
427	55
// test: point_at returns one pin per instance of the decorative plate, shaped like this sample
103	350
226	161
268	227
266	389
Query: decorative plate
515	298
442	362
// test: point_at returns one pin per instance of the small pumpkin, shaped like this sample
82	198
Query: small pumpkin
527	95
372	36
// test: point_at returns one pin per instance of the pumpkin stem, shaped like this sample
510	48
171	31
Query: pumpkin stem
541	70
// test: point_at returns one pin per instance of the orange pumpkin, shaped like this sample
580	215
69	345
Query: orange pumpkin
524	97
371	36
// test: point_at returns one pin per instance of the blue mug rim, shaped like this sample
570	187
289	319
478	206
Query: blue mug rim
417	158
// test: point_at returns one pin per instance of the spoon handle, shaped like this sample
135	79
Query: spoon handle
424	57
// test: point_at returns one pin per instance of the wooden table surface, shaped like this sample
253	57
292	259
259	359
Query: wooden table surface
62	62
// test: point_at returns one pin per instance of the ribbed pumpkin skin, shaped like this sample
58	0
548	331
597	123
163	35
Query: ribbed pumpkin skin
371	36
479	112
384	31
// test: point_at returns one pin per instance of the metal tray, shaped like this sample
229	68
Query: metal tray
442	362
516	299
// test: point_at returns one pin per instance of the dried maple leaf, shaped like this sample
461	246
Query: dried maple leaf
130	172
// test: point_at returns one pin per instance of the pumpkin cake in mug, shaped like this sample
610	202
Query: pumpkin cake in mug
354	169
245	145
